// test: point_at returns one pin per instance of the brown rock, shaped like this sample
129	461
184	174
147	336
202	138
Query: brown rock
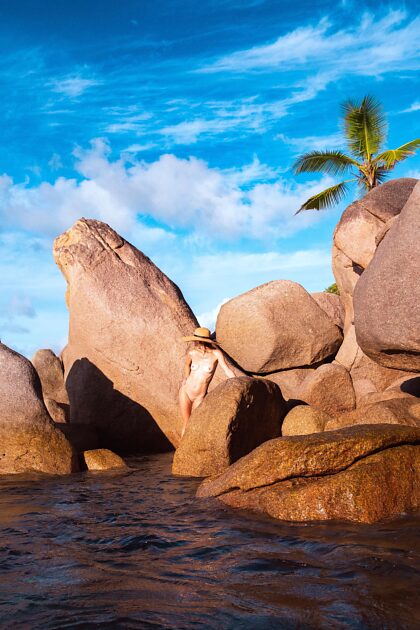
233	419
360	473
51	373
381	486
346	274
408	384
103	459
276	326
29	439
59	412
356	232
387	296
402	411
387	200
329	388
290	381
306	456
384	230
332	306
125	356
303	420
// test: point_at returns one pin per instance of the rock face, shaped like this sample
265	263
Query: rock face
51	373
304	420
332	305
387	296
359	474
329	388
29	439
276	326
124	359
236	417
103	459
404	411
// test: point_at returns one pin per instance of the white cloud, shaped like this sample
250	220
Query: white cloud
55	162
414	107
178	193
374	47
208	318
72	86
313	143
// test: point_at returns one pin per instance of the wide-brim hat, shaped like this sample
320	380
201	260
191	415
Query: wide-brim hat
201	334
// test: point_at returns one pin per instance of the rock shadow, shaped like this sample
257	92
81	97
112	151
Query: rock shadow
411	386
122	424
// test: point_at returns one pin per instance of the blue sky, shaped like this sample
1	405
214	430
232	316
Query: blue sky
177	122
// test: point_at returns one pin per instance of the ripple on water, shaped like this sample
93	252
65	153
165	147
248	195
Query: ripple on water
135	549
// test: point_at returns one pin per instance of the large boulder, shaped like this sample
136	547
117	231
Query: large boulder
30	441
329	388
124	358
387	296
51	373
276	326
236	417
359	474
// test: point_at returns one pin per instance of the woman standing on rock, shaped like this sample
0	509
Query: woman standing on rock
200	365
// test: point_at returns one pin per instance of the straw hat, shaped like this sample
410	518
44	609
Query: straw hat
201	334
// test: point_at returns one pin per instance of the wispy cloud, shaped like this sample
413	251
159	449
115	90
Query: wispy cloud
414	107
72	86
313	143
373	47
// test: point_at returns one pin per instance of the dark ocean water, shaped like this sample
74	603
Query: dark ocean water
135	549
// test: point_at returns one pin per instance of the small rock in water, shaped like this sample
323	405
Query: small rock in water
103	459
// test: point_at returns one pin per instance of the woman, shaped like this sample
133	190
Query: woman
200	365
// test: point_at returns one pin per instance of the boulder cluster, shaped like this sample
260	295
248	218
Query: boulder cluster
322	420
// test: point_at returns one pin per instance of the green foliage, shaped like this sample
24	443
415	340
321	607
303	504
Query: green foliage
365	131
333	288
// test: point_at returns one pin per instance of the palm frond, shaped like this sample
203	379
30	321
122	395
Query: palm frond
391	157
333	162
365	126
326	198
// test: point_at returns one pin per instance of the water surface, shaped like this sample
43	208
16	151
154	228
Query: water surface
135	549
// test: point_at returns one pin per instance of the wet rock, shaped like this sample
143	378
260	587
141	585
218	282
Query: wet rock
236	417
361	474
124	359
303	420
103	459
387	296
29	438
276	326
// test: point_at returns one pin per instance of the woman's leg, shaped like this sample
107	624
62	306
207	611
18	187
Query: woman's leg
185	405
197	402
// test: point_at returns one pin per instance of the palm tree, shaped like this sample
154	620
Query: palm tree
365	131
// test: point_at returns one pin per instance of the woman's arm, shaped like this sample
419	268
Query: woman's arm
221	358
187	368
